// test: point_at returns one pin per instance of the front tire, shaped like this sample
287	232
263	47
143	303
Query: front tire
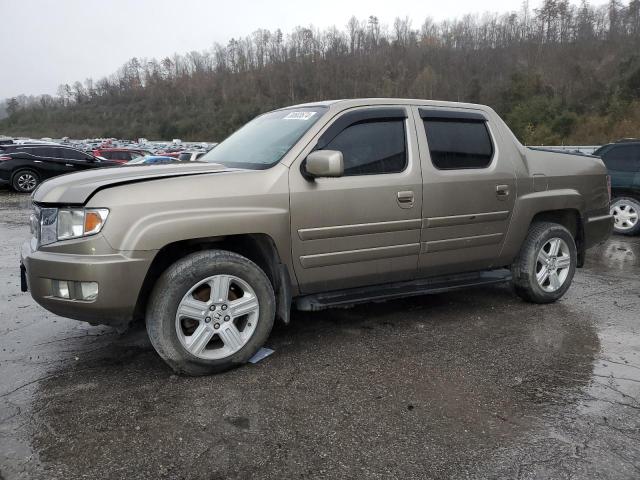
626	215
25	181
209	312
544	268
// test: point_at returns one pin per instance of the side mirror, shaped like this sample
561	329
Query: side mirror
324	163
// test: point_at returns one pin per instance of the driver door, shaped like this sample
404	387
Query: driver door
362	228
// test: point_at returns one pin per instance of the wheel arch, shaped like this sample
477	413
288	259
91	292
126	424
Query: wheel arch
571	219
564	206
22	168
260	248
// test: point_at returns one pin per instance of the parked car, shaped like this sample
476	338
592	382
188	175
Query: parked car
151	159
313	206
173	155
24	166
121	155
622	159
191	156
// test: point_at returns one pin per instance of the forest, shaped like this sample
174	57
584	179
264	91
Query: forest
557	72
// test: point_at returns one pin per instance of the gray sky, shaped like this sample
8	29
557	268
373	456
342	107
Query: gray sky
44	43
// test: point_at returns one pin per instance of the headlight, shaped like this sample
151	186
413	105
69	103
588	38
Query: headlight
66	223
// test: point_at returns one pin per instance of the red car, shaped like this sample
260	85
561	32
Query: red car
120	155
170	154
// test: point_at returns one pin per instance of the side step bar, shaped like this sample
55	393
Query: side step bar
391	291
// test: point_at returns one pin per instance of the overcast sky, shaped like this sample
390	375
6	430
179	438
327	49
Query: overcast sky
44	43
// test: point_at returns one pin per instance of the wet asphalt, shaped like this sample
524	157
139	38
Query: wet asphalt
472	384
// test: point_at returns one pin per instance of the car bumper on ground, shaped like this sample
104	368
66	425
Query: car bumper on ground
119	279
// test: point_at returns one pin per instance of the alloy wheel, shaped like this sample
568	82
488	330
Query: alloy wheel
552	264
26	182
217	317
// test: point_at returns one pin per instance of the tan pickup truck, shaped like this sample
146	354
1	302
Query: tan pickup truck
312	206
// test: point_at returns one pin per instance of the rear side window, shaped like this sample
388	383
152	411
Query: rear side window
623	158
458	144
372	147
183	157
70	154
55	152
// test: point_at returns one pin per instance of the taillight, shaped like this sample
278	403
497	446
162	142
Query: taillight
609	187
4	157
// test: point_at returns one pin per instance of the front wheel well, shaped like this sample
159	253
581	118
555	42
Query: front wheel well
571	220
259	248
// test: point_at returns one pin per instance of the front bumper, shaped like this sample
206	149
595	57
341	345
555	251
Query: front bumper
119	276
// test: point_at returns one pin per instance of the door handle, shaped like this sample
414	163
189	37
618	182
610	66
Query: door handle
502	191
68	165
406	199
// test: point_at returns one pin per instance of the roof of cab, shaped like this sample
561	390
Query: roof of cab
355	102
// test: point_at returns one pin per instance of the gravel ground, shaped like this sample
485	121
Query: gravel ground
471	384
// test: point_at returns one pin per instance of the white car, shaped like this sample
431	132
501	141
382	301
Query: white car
191	156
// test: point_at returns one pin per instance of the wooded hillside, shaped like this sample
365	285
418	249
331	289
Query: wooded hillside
557	73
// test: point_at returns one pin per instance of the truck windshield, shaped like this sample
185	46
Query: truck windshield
263	142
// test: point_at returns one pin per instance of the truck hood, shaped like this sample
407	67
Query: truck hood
77	188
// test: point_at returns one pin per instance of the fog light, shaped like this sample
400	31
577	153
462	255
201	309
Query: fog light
89	290
60	288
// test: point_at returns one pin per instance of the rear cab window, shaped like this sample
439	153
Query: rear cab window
457	141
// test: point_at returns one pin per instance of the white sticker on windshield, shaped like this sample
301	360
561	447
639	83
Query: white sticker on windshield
299	116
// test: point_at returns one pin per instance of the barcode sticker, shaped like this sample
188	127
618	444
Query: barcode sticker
299	116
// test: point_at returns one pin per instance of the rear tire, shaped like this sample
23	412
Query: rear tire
544	268
626	215
25	181
209	312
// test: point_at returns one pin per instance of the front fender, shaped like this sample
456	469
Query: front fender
155	230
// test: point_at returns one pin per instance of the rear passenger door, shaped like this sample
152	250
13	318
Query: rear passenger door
362	228
468	194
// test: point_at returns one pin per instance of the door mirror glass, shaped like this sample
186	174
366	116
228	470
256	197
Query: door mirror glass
325	163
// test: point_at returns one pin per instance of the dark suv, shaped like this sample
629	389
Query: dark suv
622	159
25	166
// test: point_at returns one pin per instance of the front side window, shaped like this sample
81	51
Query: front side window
264	141
623	158
38	151
458	144
46	152
372	147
